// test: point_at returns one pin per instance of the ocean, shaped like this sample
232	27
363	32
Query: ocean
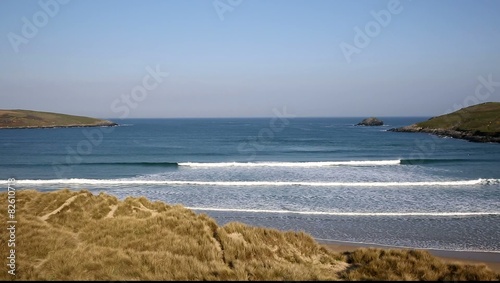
324	176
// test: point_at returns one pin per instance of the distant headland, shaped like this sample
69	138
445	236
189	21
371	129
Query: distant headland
478	123
27	119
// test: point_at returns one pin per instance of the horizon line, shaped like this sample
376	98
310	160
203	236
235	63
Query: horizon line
264	117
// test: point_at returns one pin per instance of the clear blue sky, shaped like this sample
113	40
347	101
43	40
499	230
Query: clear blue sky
263	54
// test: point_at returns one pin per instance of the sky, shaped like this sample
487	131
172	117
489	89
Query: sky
248	58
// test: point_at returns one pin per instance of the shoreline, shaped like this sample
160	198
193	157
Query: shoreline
490	259
463	135
58	127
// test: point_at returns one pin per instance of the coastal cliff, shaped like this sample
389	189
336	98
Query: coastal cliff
478	123
26	119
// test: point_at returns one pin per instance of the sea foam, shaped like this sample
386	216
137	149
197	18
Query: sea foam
250	183
294	164
394	214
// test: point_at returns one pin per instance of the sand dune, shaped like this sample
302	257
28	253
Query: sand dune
68	235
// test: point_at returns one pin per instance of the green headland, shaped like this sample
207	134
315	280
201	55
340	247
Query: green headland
22	119
478	123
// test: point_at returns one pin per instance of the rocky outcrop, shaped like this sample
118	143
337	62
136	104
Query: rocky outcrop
372	121
99	124
475	136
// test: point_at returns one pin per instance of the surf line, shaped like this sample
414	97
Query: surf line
253	183
394	214
294	164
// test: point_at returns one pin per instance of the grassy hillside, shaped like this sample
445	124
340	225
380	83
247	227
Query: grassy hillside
37	119
68	235
480	119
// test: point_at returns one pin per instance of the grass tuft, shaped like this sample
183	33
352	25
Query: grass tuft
369	264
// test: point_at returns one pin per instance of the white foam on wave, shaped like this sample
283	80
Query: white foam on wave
408	247
294	164
490	181
443	214
249	183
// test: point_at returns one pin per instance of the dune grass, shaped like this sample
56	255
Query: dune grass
75	235
409	265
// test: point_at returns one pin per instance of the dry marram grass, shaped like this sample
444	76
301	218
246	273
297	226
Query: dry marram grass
67	235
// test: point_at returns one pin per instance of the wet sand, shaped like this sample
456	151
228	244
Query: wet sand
490	259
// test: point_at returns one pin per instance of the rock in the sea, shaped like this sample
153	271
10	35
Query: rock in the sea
371	122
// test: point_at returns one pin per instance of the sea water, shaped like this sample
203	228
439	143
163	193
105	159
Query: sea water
325	176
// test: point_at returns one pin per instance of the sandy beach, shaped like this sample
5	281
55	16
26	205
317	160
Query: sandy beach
490	259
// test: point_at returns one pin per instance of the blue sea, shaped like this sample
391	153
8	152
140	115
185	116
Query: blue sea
325	176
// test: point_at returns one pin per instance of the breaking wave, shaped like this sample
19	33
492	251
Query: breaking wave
394	214
250	183
294	164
